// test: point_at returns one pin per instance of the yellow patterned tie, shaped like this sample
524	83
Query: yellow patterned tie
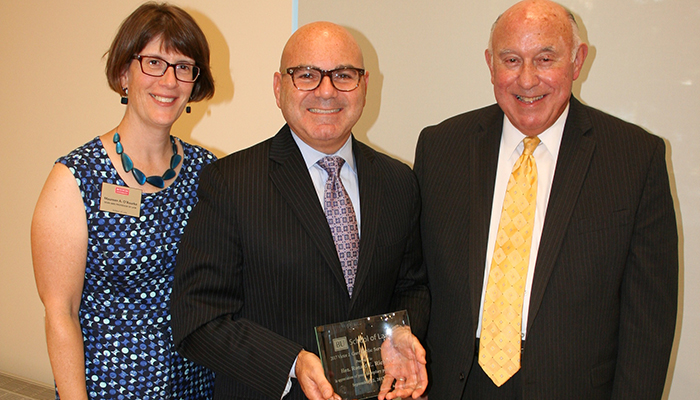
499	345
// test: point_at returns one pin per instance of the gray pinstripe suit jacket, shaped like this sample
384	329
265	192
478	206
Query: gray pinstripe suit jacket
258	269
604	295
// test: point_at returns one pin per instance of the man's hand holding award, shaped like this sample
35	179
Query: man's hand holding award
373	356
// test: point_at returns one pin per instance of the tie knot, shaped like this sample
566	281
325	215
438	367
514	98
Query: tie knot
331	164
530	145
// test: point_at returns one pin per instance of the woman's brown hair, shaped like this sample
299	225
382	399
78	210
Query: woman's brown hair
177	31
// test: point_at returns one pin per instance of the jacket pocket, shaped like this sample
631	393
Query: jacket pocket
603	222
603	373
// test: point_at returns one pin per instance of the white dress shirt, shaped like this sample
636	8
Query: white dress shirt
546	155
348	174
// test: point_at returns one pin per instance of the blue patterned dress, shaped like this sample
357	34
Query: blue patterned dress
125	307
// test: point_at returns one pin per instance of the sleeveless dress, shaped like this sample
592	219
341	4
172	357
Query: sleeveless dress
125	307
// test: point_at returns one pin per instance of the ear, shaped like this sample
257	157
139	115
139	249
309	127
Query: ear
489	62
581	55
365	77
123	78
277	87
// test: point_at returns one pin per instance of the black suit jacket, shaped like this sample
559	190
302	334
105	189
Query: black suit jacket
258	268
604	294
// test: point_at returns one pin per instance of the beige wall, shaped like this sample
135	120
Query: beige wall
426	64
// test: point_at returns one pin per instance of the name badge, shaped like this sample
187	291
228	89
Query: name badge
120	199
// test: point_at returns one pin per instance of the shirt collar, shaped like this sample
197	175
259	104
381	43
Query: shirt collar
311	155
551	137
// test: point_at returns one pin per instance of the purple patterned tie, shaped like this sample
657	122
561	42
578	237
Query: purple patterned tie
341	218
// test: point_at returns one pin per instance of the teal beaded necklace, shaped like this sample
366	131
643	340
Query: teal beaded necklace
141	178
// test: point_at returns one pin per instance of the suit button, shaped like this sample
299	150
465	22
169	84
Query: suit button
461	376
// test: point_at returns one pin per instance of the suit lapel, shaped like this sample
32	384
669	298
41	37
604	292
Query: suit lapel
483	164
574	158
370	184
289	174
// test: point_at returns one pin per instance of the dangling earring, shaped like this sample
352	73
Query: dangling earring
125	98
188	109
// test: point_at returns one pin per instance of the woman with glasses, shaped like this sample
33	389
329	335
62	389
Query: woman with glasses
108	222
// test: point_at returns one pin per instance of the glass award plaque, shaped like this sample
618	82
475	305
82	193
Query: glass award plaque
351	353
